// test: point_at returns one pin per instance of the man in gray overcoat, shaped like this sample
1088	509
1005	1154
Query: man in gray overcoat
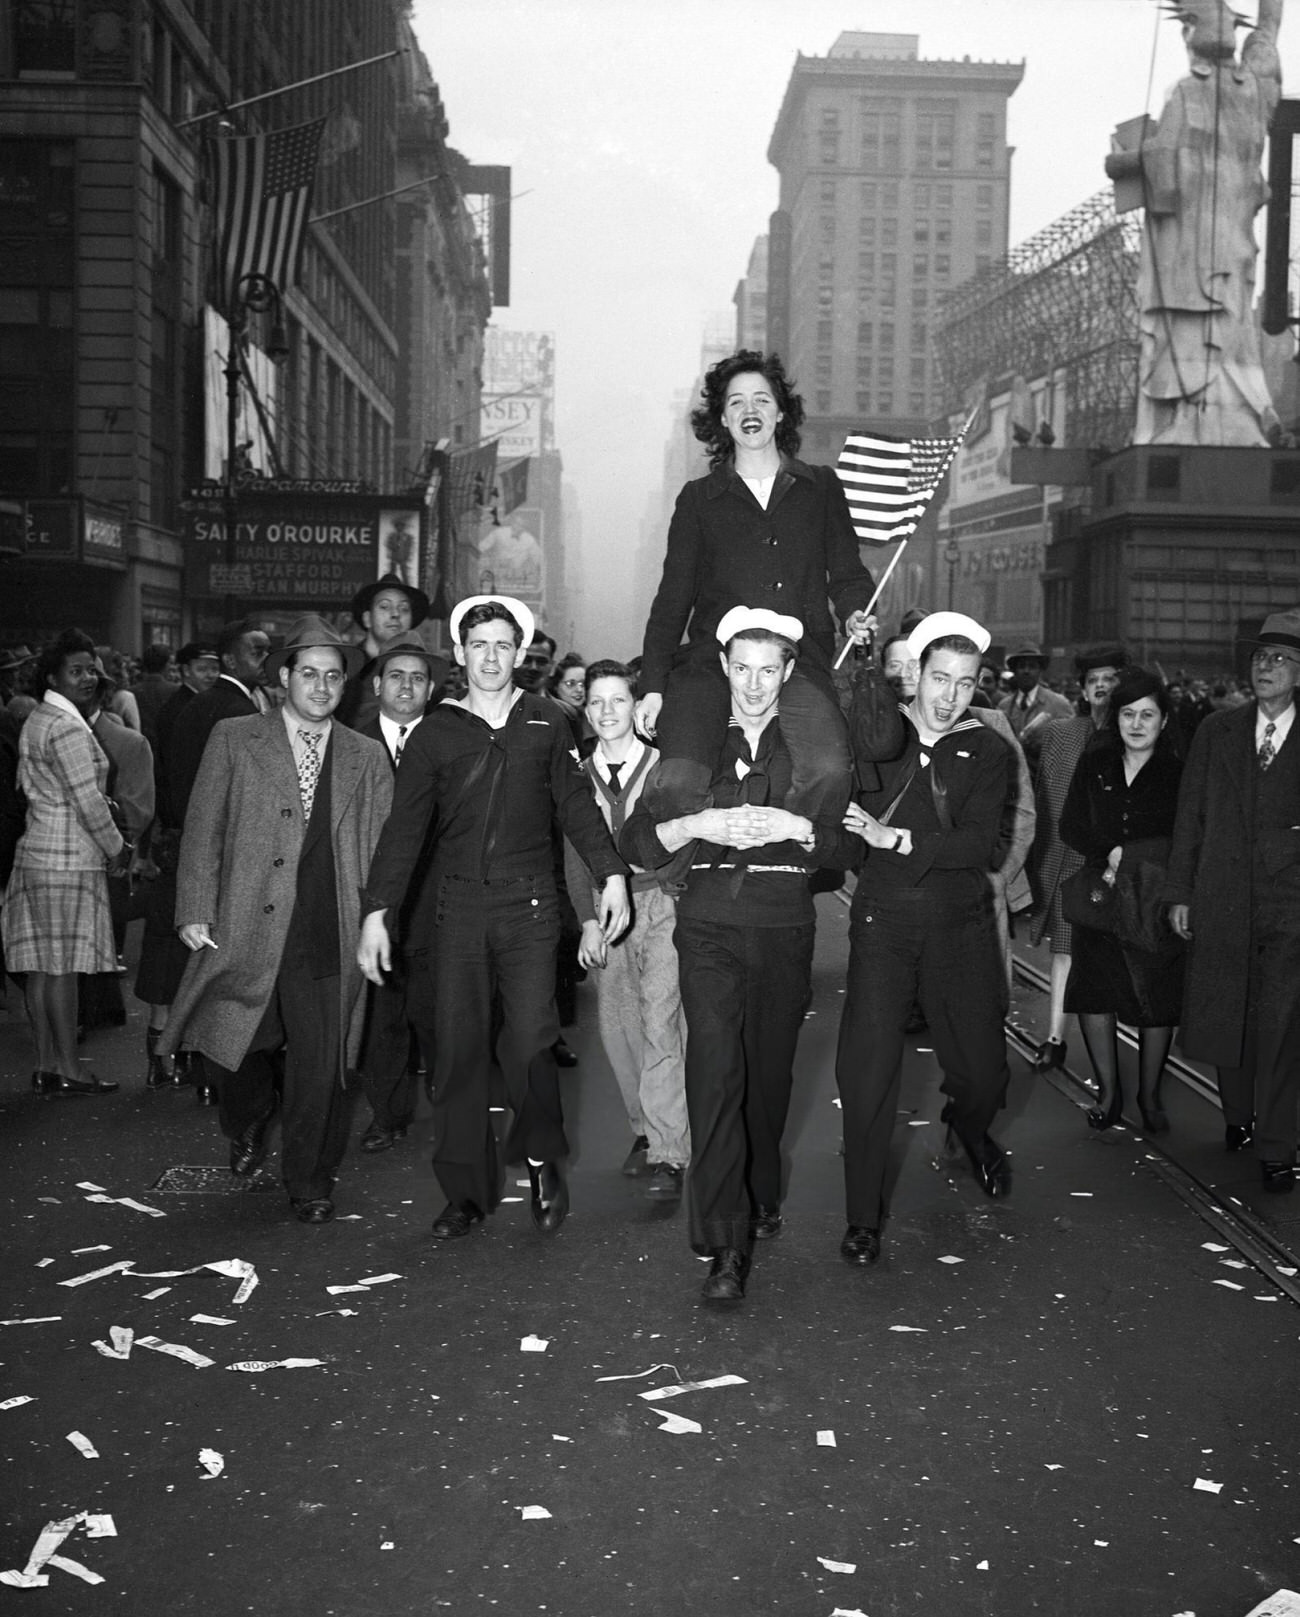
283	820
1234	894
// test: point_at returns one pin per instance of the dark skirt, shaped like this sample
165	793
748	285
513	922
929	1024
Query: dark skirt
1144	990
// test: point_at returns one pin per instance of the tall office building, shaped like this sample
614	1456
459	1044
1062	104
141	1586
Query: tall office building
895	178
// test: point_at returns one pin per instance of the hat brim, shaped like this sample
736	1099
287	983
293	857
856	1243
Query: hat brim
516	608
354	657
439	666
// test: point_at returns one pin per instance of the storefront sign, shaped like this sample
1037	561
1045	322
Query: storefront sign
52	528
103	535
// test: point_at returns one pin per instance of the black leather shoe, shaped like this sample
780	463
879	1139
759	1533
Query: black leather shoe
766	1223
1278	1177
381	1139
156	1075
1050	1053
564	1057
726	1281
989	1163
636	1162
1101	1118
665	1182
860	1244
248	1149
1155	1120
53	1083
456	1219
187	1069
205	1094
550	1206
1237	1136
313	1209
43	1082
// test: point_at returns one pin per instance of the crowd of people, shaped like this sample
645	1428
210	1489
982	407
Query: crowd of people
360	861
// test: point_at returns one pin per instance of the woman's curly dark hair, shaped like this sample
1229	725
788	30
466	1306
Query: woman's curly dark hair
706	420
54	655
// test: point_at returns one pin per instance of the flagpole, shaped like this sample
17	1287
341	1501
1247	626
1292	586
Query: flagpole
884	579
300	84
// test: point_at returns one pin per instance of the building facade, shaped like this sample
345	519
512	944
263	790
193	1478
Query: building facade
112	354
895	179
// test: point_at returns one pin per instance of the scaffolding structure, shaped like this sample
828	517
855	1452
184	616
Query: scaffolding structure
1061	305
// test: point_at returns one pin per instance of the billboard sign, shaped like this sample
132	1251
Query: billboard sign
514	420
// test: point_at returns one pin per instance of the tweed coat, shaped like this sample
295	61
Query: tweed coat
238	872
64	772
1210	868
1051	861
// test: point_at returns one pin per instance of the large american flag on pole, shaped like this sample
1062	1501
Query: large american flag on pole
262	197
888	482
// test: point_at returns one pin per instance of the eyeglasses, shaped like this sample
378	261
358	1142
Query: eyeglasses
314	676
1272	659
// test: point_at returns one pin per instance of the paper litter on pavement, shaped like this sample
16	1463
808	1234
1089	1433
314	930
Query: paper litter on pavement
156	1293
44	1552
13	1403
98	1274
919	1330
233	1268
673	1391
1202	1486
826	1440
337	1291
1281	1603
533	1344
118	1346
83	1445
85	1184
533	1513
77	1251
176	1350
640	1375
838	1566
209	1319
129	1201
39	1319
676	1425
275	1364
379	1280
213	1463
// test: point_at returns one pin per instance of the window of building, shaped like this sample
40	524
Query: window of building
982	262
885	368
864	367
943	196
985	135
864	334
828	191
866	263
825	330
886	334
920	297
921	197
823	367
889	263
934	138
45	36
942	265
866	229
868	194
829	151
889	232
917	373
888	294
920	266
889	194
984	232
943	233
863	401
916	403
824	403
828	227
919	337
983	196
921	233
885	403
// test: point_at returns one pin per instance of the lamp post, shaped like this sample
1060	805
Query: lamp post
952	555
255	294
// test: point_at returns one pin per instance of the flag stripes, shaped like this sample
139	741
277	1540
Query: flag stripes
888	482
262	198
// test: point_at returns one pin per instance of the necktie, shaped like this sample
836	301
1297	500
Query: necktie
615	770
308	769
401	742
1267	751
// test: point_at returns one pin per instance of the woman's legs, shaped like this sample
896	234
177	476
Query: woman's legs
1153	1052
52	1007
1103	1051
1056	1006
42	1033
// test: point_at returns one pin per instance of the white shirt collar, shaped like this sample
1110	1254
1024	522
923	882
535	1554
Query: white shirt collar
293	725
626	767
389	728
1281	727
65	706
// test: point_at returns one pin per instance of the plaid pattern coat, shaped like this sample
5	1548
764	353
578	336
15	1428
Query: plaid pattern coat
64	773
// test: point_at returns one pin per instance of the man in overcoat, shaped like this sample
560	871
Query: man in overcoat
1234	892
284	817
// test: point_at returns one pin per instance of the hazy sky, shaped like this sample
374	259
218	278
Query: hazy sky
638	130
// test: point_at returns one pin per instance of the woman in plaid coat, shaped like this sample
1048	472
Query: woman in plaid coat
56	916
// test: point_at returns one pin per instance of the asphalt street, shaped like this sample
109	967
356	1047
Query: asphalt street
1080	1400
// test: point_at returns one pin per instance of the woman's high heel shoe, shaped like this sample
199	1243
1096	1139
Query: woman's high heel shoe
1103	1118
1154	1119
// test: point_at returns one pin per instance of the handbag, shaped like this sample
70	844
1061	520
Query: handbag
1088	901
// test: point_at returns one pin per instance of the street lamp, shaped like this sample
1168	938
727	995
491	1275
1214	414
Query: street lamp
952	555
255	294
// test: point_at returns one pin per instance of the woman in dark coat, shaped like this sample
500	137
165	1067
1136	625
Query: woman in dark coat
1120	809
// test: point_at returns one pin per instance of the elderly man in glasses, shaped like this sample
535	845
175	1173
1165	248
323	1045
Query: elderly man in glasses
1234	895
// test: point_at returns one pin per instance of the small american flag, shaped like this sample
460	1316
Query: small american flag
470	476
262	189
888	482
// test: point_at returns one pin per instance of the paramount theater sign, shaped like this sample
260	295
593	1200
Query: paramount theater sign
295	546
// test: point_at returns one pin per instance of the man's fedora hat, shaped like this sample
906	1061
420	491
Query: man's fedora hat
1028	653
15	657
1281	629
362	600
517	610
313	631
436	663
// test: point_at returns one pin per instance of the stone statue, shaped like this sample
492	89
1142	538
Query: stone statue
1201	377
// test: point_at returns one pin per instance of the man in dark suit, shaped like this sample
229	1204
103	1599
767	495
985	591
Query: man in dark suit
1234	894
404	677
242	650
284	817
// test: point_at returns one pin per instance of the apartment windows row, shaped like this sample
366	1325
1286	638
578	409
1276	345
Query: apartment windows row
883	132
